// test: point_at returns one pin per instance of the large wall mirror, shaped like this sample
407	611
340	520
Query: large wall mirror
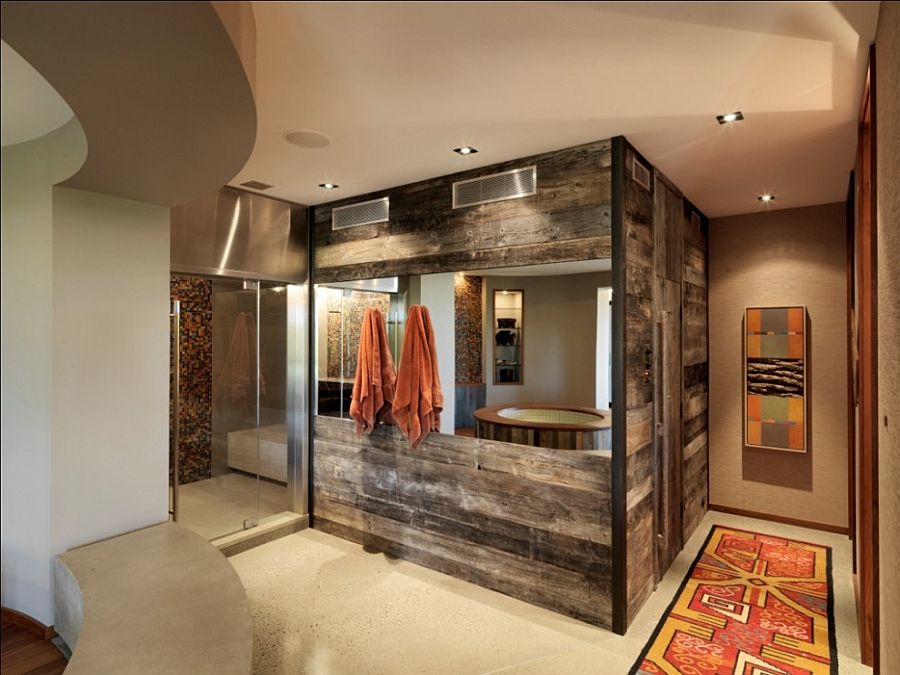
524	352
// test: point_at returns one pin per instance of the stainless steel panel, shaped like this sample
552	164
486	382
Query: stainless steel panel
240	234
297	398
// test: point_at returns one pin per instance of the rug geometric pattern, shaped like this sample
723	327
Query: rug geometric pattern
752	604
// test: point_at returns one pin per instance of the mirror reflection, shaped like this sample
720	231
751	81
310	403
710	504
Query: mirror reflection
523	352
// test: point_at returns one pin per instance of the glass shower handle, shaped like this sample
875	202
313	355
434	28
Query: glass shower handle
176	404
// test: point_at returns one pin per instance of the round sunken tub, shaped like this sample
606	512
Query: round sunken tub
547	426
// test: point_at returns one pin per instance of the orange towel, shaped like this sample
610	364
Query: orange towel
418	400
373	388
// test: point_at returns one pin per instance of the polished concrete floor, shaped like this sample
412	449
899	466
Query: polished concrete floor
324	606
218	506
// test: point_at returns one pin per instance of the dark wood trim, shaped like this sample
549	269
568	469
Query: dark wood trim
619	448
837	529
312	396
866	279
33	626
851	368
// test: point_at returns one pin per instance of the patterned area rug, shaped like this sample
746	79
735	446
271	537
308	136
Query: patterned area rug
752	604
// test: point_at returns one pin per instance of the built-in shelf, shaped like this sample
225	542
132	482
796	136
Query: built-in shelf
508	333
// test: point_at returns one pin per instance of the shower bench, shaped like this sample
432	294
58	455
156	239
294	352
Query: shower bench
157	600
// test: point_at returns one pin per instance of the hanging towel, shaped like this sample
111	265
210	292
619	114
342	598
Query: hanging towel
418	400
373	388
236	377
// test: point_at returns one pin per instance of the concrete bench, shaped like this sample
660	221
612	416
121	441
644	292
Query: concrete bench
158	600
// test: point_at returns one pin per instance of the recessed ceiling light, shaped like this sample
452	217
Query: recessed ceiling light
766	198
307	139
329	186
465	150
728	118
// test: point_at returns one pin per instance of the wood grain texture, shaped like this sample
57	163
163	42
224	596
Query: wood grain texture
695	371
640	267
529	522
569	218
666	414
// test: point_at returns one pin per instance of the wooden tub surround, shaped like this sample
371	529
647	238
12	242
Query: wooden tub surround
573	428
528	522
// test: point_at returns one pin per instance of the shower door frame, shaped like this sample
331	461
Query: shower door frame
296	395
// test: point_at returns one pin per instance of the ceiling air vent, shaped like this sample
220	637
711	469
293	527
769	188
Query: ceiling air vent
363	213
496	187
641	174
256	185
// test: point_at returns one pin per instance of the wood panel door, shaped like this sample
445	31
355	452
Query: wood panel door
865	277
668	235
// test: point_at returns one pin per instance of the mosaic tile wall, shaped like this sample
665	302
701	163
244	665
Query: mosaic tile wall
469	344
347	314
195	413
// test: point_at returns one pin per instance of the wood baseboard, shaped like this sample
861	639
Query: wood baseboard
779	519
24	621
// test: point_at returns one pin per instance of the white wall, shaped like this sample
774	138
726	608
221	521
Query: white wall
560	339
29	171
438	294
110	366
603	394
85	363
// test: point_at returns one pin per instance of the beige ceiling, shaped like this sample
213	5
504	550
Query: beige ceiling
396	86
158	88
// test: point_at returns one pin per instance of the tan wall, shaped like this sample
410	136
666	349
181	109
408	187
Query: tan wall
777	258
887	46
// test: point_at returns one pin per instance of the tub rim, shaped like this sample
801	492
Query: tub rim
491	414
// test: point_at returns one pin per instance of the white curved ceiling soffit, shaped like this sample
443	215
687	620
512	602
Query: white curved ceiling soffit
31	107
159	89
396	86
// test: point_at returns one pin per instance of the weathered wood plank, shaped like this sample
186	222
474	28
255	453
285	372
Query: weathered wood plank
547	585
475	259
567	219
505	516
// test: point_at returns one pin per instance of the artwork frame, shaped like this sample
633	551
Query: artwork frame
775	378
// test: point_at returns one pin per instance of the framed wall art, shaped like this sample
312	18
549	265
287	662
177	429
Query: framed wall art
775	387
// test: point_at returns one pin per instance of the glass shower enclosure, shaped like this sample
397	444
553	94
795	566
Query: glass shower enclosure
238	378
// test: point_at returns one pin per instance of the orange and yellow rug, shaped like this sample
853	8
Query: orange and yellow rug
752	604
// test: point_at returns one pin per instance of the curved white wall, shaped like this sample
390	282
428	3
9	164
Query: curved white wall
26	366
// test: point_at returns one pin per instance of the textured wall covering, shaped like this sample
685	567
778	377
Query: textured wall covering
195	413
772	259
526	521
469	342
345	315
887	54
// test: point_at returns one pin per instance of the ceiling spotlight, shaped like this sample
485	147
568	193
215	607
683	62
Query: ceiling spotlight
728	118
465	150
766	198
328	186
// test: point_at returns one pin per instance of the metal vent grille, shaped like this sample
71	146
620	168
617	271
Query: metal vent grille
496	187
363	213
256	185
640	174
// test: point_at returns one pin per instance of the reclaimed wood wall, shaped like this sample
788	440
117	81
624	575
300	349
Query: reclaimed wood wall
695	364
665	370
567	219
529	522
640	280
